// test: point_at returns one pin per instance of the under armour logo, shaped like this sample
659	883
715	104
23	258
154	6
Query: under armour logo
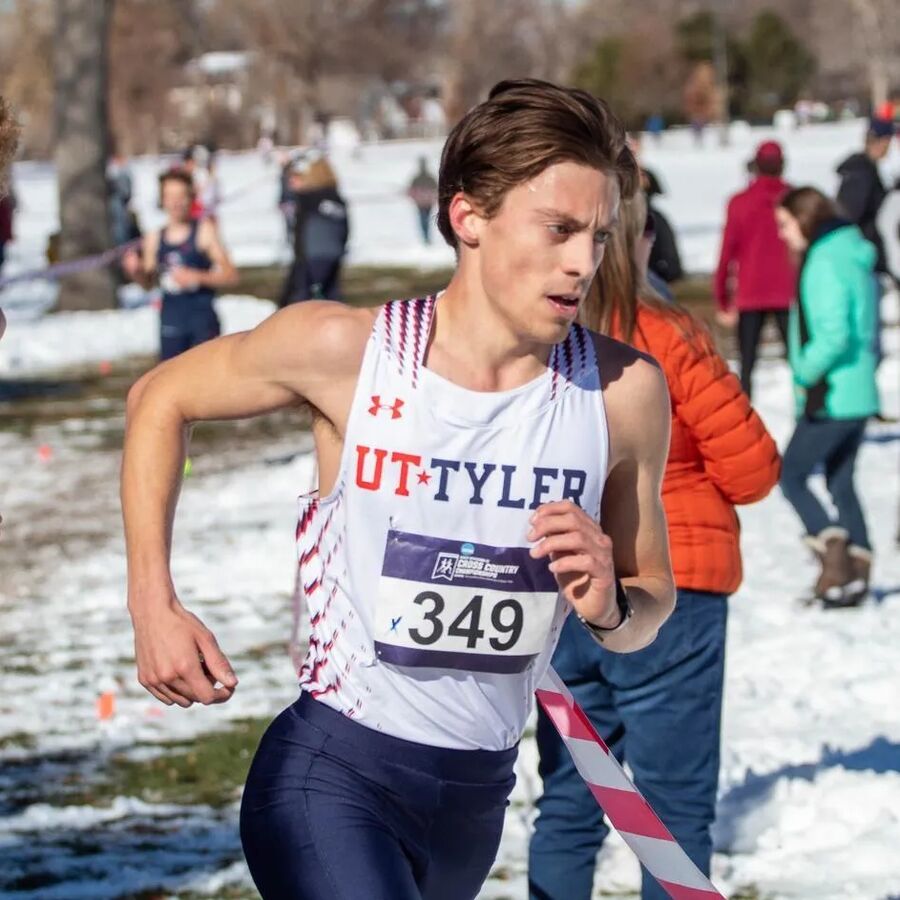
394	407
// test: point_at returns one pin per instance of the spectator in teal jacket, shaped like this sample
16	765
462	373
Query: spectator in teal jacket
831	343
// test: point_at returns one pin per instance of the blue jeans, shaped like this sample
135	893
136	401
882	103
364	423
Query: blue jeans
424	213
317	278
833	443
659	709
334	810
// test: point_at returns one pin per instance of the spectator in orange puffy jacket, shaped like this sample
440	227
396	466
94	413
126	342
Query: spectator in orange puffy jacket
659	709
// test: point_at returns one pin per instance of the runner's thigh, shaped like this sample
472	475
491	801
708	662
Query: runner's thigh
312	829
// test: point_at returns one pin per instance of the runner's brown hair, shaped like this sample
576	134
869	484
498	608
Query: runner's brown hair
522	128
182	177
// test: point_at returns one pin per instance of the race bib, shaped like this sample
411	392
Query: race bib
451	605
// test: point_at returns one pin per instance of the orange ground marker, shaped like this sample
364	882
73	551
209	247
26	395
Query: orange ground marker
106	705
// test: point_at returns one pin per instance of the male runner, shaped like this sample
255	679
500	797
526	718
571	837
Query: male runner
469	446
190	262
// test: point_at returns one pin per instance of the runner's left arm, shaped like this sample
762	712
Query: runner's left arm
632	542
632	511
223	272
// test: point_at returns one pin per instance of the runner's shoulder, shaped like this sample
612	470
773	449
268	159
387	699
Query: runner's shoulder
635	395
623	367
329	334
207	232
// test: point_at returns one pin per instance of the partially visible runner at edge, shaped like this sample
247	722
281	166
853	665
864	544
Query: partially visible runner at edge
486	468
9	139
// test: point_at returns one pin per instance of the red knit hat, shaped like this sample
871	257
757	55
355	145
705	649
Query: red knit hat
769	152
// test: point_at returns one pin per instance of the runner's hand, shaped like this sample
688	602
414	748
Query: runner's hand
185	277
131	263
581	559
178	659
727	318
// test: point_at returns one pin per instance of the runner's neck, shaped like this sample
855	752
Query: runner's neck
176	232
474	347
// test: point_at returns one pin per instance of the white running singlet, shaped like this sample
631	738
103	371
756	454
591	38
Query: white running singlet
429	620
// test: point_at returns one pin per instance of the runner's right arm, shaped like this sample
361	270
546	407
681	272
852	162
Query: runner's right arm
307	352
141	266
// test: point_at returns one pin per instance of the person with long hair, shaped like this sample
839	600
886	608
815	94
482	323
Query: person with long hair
321	231
659	709
832	351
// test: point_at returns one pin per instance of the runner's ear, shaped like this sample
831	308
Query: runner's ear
465	219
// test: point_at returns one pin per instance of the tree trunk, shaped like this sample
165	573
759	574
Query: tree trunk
874	31
80	62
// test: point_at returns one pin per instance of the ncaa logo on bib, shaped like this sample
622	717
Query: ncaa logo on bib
467	549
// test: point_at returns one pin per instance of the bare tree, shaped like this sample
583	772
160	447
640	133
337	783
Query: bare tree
299	44
26	43
149	44
875	20
9	139
81	147
515	39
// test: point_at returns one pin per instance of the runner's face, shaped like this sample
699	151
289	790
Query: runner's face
539	253
176	201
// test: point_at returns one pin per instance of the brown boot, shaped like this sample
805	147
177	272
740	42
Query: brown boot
860	570
830	545
817	548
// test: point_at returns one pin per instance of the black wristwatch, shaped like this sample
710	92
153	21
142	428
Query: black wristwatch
624	611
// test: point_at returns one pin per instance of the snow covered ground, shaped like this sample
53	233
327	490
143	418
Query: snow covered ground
384	228
810	788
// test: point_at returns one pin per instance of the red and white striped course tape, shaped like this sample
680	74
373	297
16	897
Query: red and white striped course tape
630	814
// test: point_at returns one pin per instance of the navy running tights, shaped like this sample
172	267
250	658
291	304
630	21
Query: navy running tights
334	810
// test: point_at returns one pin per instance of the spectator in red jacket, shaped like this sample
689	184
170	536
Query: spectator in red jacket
756	275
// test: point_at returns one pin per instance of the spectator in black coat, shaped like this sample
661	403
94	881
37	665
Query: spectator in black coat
423	191
321	231
665	262
862	191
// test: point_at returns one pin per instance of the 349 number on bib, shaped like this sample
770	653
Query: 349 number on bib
452	605
506	619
